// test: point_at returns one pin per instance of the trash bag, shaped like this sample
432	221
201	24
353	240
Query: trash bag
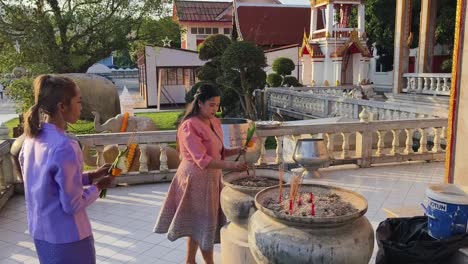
406	240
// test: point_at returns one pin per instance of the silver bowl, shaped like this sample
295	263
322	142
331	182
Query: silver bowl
311	154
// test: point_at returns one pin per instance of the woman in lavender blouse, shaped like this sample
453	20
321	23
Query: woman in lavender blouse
52	167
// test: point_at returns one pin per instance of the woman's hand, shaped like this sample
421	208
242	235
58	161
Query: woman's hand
104	182
238	166
102	171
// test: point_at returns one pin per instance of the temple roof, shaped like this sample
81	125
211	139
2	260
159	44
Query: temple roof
202	11
272	25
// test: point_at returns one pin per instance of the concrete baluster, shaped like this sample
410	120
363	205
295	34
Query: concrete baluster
436	147
380	142
433	84
143	158
439	84
422	141
330	144
279	149
409	141
345	146
163	157
261	159
100	155
446	85
395	142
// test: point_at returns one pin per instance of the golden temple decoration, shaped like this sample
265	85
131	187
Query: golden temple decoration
454	89
353	39
326	83
306	45
315	3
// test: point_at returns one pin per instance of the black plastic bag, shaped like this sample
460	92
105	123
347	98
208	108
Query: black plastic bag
405	240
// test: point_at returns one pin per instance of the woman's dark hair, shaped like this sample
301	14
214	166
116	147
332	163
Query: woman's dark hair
205	92
49	90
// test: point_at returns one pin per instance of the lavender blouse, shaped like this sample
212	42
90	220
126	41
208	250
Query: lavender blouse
52	167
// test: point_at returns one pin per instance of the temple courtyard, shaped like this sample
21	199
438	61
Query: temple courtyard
123	222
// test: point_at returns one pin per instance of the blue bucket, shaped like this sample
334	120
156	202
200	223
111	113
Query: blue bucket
447	210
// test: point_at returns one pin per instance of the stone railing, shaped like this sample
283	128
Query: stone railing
427	83
7	179
362	142
143	139
368	142
306	105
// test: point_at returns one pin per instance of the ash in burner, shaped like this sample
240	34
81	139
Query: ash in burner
325	205
255	181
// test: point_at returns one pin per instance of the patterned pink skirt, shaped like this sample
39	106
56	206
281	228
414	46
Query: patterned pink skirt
192	206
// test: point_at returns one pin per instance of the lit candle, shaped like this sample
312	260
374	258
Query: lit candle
312	209
291	206
281	173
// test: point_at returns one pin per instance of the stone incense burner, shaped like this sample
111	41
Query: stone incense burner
275	237
237	203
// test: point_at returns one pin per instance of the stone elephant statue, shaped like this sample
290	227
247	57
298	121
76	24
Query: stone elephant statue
98	94
113	125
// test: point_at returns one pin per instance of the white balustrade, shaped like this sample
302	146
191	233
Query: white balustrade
427	83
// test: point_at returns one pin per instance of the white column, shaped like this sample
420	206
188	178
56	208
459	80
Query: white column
330	18
361	19
306	78
426	35
363	69
401	49
313	21
337	64
317	70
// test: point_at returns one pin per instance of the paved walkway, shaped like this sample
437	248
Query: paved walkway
123	222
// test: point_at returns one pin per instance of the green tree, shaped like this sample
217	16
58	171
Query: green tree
153	31
274	80
211	50
245	61
282	67
70	35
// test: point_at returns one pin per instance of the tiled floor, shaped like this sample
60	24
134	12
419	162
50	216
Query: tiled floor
123	222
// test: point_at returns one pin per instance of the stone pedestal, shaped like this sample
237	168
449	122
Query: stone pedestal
235	246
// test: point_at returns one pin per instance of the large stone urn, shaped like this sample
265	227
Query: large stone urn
238	205
276	237
235	135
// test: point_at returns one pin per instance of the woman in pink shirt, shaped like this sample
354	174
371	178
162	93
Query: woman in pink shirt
192	207
52	167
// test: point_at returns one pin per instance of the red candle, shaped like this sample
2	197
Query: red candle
311	197
280	198
299	200
312	209
290	206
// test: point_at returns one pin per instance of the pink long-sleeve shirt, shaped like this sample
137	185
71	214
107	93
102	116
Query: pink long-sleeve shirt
52	167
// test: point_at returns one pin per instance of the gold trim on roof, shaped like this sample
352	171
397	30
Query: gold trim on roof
353	39
315	3
305	45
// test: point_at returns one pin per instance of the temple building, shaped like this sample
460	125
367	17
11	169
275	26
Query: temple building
335	53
